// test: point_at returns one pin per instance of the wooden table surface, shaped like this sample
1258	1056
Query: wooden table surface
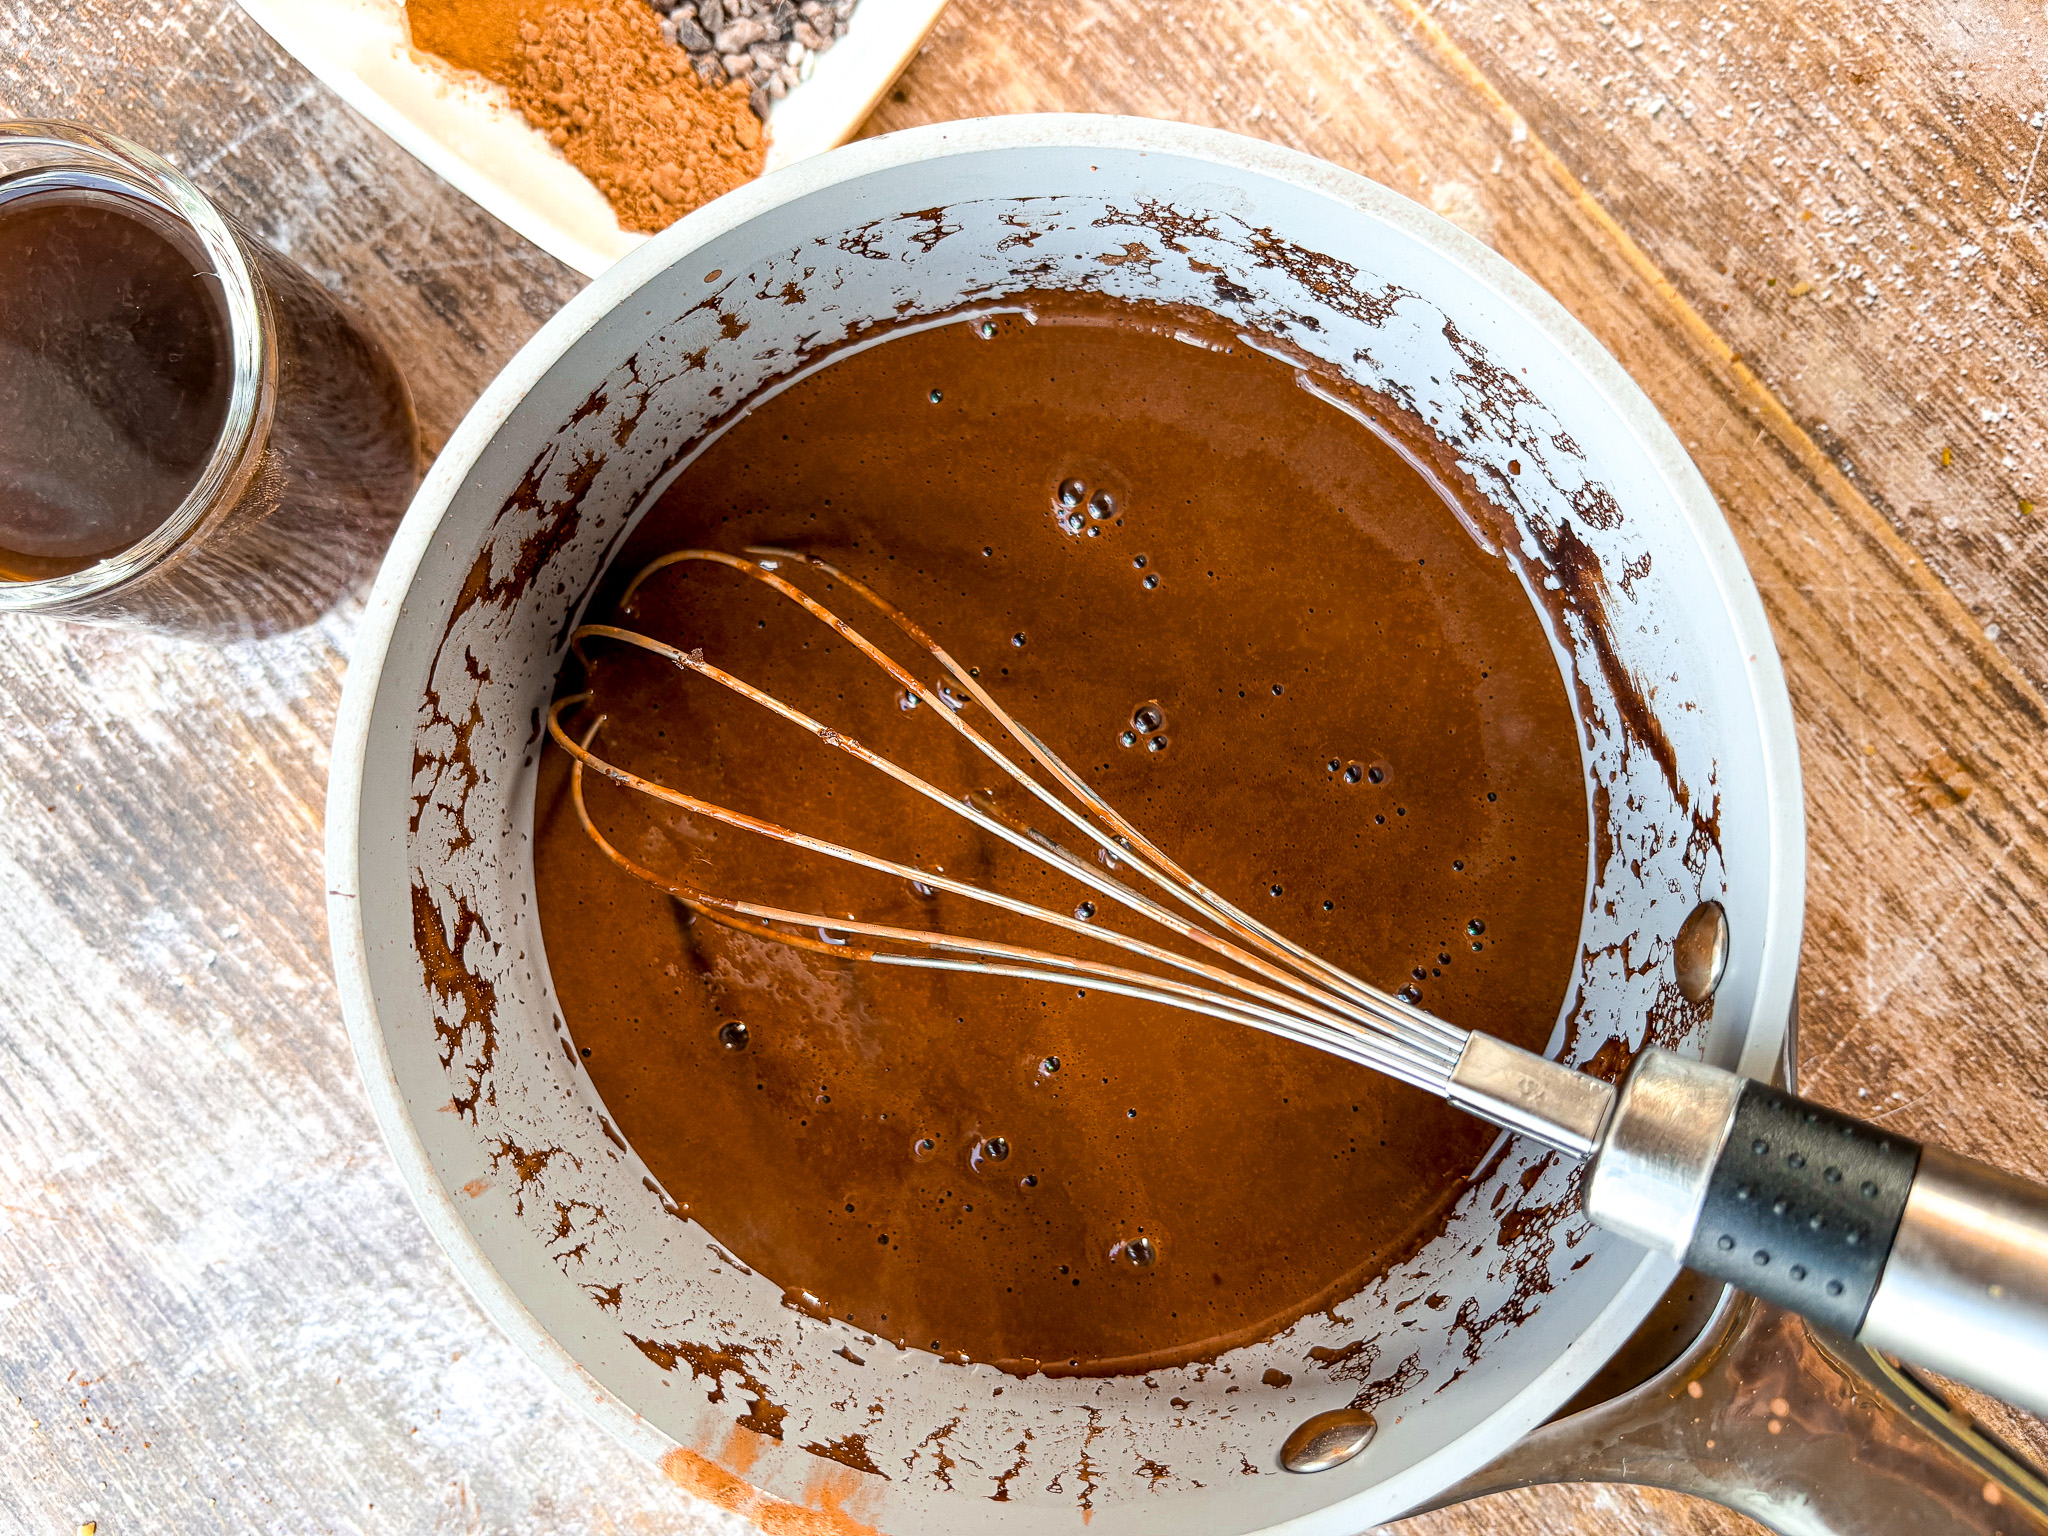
1813	231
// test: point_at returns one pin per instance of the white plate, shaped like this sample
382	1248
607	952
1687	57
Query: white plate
468	132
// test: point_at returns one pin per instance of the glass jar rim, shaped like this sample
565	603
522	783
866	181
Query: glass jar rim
251	350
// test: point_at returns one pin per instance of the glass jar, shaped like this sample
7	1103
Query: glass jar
316	451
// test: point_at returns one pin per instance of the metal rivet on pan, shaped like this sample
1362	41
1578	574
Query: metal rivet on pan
1328	1440
1701	952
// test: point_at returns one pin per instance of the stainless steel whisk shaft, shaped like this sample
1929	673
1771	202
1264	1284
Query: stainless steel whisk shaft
1257	978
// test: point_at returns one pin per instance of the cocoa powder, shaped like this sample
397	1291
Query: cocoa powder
615	96
473	34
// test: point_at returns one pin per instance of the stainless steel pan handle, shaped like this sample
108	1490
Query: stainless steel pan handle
1805	1432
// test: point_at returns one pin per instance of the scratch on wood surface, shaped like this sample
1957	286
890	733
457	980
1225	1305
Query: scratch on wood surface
291	108
2019	202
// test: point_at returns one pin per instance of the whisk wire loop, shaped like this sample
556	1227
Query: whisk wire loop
1273	1004
765	571
1290	991
1125	841
992	958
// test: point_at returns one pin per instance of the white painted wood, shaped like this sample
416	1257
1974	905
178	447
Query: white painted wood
218	1309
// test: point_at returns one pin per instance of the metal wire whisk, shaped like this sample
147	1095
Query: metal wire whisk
1257	977
1915	1250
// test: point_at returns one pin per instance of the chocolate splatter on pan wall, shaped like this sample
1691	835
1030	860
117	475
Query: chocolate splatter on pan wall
704	1345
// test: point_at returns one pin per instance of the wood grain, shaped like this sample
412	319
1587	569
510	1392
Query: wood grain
217	1310
1853	194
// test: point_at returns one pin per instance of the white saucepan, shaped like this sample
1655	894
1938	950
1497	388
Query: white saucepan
552	1220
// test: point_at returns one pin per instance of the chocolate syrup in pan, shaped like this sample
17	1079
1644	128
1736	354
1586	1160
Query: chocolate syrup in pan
1268	641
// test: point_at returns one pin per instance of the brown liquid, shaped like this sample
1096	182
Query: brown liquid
115	371
1317	602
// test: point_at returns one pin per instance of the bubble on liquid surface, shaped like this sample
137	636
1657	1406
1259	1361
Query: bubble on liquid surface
1129	738
1138	1252
1354	773
987	328
1102	506
1475	927
1148	717
1156	744
923	1147
1073	522
732	1034
1086	911
1072	493
937	397
906	700
1047	1067
1151	582
1377	773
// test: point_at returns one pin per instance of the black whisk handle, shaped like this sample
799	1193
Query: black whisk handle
1802	1206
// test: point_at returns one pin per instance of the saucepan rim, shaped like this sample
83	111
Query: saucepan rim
1693	502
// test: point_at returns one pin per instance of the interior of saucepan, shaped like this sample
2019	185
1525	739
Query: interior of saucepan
552	1217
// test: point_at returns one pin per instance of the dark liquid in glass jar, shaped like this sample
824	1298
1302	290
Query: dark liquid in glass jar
115	373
